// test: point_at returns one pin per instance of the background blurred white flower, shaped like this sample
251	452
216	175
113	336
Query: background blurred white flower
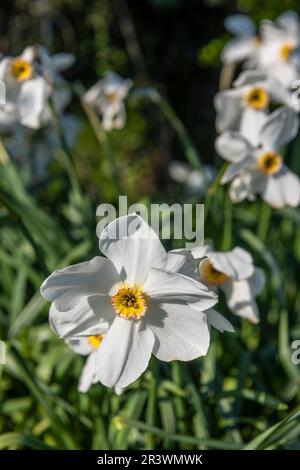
182	261
34	150
107	98
141	306
30	81
279	51
195	181
260	169
235	274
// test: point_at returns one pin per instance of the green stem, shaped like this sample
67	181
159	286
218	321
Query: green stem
213	189
150	412
178	401
264	221
66	155
187	144
102	139
227	232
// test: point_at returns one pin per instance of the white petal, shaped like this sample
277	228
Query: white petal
285	72
216	320
237	168
250	77
67	286
282	189
279	94
32	100
240	25
80	346
251	123
228	105
279	129
167	286
241	188
179	171
29	54
124	353
238	50
289	20
200	251
241	299
236	263
232	146
133	247
92	94
181	332
89	317
62	61
257	281
182	262
88	375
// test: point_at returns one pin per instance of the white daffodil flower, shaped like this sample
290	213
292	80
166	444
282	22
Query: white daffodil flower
245	43
260	169
279	51
141	306
182	261
235	274
245	106
107	97
29	80
195	181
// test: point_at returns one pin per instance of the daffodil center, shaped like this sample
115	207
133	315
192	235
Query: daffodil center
286	50
130	302
111	96
95	341
257	98
270	163
212	275
21	69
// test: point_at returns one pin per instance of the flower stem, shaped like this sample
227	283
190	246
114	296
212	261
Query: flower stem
67	159
213	189
264	221
226	76
102	138
4	156
227	232
187	144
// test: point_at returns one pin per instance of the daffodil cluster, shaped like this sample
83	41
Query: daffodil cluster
258	117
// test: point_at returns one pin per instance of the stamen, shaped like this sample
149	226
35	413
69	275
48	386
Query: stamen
270	163
286	50
95	341
130	303
257	98
21	69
